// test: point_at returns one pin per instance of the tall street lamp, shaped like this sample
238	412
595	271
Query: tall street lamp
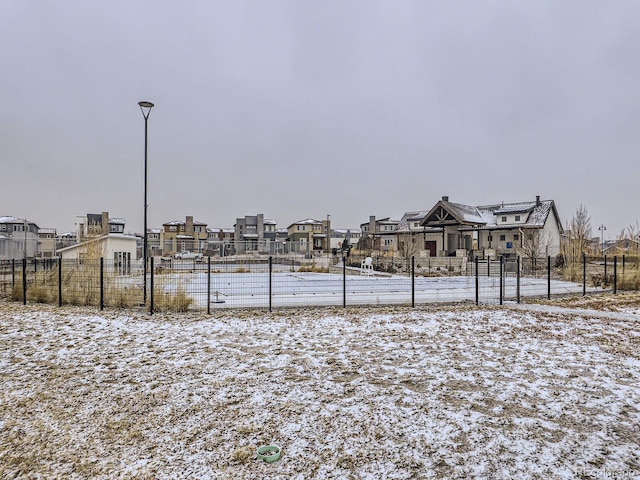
602	228
145	107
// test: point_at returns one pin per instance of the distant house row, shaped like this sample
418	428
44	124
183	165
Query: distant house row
447	229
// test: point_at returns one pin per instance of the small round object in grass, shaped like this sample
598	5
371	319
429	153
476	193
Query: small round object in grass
269	453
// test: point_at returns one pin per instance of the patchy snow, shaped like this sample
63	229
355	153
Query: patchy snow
532	392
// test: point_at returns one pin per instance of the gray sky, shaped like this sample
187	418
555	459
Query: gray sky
300	109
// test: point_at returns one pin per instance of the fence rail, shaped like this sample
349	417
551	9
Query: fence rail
284	281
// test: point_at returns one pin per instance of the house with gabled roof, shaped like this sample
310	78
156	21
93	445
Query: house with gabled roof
309	235
379	234
413	238
181	235
500	229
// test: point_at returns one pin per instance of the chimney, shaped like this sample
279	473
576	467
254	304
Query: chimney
188	227
537	200
445	198
105	223
260	227
372	224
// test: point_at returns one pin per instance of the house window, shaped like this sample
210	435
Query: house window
173	228
504	218
517	218
516	236
122	262
503	238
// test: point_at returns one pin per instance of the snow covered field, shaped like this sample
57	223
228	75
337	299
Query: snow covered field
521	391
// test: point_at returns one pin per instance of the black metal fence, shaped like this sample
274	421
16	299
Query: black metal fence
273	282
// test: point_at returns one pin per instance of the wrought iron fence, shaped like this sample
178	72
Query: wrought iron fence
285	281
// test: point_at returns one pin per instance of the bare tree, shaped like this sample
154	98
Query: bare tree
535	244
629	239
574	246
408	246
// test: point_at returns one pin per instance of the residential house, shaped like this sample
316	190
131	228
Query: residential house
338	237
153	242
47	242
254	233
379	234
220	241
621	246
116	247
412	238
307	236
100	236
180	235
97	224
18	238
66	240
507	229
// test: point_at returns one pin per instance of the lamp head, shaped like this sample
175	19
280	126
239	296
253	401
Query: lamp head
146	108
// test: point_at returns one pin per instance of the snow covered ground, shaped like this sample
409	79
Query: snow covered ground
521	391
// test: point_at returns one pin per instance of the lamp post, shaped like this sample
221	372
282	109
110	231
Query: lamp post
26	226
145	107
328	245
602	228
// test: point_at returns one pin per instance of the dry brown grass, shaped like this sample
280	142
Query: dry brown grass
629	279
173	300
313	268
604	302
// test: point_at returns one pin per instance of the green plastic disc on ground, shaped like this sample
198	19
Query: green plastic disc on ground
269	453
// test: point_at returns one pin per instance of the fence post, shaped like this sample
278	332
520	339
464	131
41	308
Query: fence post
615	274
13	273
344	283
151	289
477	274
101	283
533	266
35	265
209	285
518	279
488	265
604	280
59	281
584	274
413	282
24	281
270	280
623	262
548	277
501	280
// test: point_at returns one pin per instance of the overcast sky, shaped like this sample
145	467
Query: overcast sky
299	109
